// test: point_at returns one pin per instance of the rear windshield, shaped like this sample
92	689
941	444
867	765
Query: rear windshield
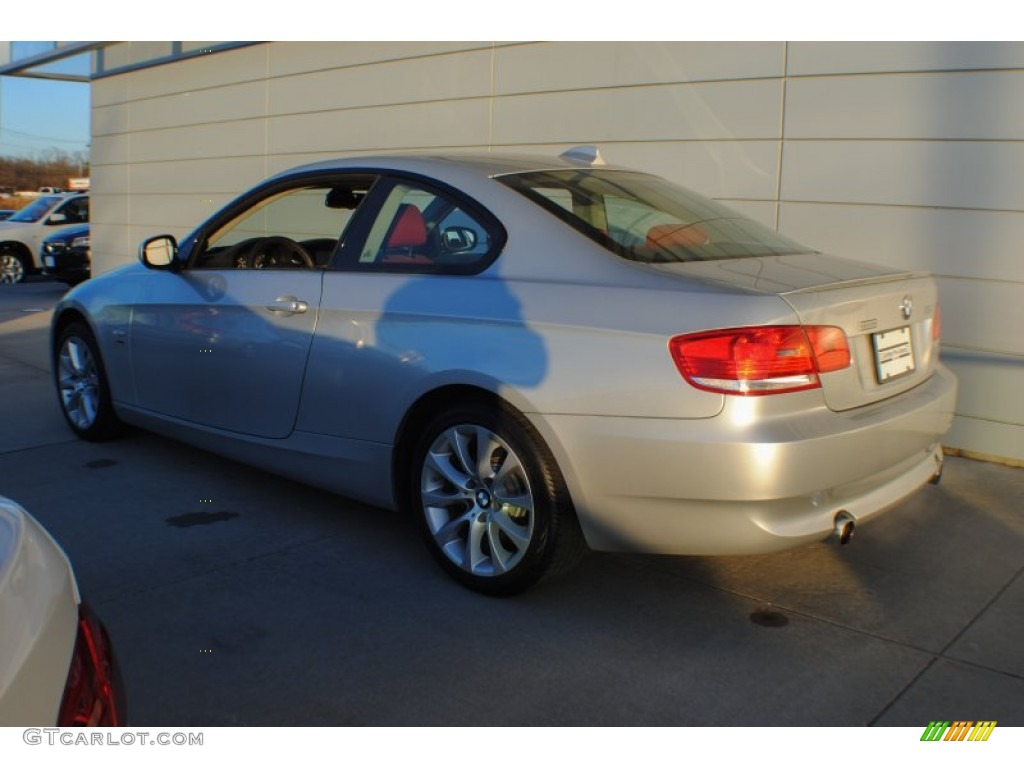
645	218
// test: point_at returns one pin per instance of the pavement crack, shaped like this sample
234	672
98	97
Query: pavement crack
903	690
12	451
984	609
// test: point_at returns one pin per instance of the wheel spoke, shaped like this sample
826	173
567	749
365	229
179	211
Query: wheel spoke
78	411
460	448
510	466
442	464
77	357
438	497
518	534
486	445
501	557
449	532
88	406
475	556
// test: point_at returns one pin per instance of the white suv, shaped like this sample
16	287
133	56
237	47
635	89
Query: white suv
22	235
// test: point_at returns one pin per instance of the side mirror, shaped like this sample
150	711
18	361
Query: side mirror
458	239
57	218
160	252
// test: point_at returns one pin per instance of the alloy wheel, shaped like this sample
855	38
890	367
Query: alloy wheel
477	500
12	270
79	382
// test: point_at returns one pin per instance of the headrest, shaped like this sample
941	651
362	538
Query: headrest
409	231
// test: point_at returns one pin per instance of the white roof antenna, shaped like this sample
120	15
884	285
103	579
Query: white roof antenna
585	154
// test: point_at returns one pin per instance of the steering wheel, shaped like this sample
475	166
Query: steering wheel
276	251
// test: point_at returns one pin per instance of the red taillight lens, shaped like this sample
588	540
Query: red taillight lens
91	696
762	360
831	350
937	324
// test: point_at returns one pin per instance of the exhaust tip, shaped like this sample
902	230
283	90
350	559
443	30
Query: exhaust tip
843	527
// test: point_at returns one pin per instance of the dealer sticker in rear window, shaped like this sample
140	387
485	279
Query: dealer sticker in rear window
894	356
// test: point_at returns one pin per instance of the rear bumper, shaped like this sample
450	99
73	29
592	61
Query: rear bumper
748	480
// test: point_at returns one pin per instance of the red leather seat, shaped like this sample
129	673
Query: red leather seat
407	238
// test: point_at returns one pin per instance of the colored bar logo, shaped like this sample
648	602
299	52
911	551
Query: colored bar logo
958	730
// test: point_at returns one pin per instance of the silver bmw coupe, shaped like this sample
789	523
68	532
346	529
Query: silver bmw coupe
532	355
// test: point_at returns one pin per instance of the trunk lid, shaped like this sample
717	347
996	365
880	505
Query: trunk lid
887	315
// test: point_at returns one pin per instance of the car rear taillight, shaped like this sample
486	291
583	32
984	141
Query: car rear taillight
762	360
937	324
92	694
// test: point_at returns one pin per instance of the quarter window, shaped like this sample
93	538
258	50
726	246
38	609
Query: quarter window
417	229
75	210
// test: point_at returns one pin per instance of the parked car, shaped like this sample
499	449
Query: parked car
57	665
6	213
527	353
66	255
22	235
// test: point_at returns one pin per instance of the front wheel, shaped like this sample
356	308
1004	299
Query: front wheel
12	267
82	384
493	507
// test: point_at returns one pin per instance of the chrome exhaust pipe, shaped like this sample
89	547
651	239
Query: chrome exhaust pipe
843	527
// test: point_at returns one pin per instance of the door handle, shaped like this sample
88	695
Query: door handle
288	305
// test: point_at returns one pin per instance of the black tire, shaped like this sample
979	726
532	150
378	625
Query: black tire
474	530
82	388
13	267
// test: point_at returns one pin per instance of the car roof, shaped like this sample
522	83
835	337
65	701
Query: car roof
485	164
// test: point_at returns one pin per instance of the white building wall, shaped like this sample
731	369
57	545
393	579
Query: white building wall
902	153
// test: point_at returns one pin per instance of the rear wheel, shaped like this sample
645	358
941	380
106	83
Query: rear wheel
82	384
492	505
13	268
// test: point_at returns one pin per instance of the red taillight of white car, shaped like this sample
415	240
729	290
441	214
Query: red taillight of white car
936	326
762	360
92	695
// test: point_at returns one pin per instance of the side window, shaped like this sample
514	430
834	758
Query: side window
417	229
293	229
75	210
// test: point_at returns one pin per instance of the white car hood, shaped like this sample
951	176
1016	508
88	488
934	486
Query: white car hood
38	617
9	229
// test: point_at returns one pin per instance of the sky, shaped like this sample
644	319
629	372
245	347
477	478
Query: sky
37	115
41	114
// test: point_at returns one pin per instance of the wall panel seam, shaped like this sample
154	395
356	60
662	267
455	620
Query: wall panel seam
268	77
914	206
887	73
509	95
